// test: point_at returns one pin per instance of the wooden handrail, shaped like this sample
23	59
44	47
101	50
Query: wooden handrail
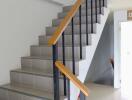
72	77
64	23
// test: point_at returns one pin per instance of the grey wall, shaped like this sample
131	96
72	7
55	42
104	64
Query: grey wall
100	69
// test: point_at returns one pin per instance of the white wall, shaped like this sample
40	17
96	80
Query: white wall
120	4
21	22
65	2
119	16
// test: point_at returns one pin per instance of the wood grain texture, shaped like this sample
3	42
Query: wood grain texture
72	77
64	23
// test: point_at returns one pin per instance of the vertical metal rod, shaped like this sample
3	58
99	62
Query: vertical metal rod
103	3
80	24
87	22
63	51
56	74
91	16
68	89
100	8
73	55
82	96
96	16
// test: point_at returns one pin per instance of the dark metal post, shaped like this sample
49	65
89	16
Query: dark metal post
56	74
100	8
96	17
63	52
73	55
80	24
91	16
103	3
87	22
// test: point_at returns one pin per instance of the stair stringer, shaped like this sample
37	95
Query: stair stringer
90	50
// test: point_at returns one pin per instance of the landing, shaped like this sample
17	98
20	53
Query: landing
101	92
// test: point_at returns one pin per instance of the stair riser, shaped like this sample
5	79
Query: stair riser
89	5
68	39
57	22
43	83
63	14
47	51
51	30
46	65
10	95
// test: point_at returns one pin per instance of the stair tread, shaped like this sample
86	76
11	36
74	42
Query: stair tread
84	5
49	58
38	72
68	8
58	20
83	24
84	9
29	91
64	13
74	34
66	45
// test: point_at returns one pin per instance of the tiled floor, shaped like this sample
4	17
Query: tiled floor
100	92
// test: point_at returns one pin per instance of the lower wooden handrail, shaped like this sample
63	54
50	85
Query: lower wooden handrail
71	77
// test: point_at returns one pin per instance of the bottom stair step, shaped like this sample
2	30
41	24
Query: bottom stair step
35	79
14	92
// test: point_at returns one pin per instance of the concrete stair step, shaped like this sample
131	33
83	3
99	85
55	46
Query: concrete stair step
21	92
83	12
51	30
45	63
56	22
43	40
45	50
36	79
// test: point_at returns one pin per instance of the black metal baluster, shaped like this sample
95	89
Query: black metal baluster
55	73
96	16
80	24
73	55
91	16
87	22
103	3
100	8
63	52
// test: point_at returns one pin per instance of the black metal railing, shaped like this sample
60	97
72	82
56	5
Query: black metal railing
94	9
55	73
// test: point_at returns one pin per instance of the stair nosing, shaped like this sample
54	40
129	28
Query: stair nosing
82	11
74	34
74	25
83	5
66	45
87	9
50	75
82	16
42	58
25	71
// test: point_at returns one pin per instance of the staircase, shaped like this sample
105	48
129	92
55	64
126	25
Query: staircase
39	78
